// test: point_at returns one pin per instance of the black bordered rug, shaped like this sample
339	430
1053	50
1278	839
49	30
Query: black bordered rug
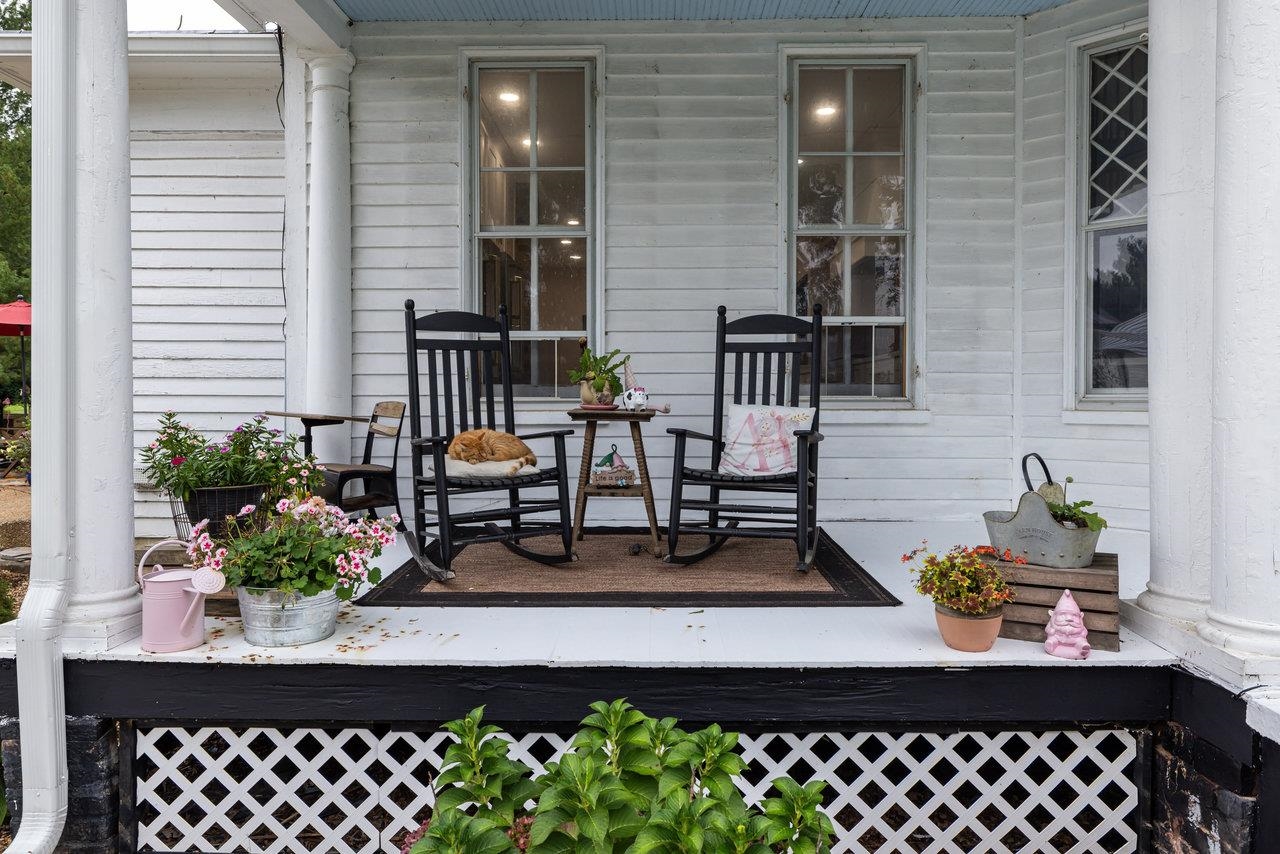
610	573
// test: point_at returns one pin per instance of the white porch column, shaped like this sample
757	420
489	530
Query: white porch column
104	607
1244	610
328	368
1180	303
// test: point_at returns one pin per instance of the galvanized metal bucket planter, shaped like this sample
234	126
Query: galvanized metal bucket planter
276	618
1032	532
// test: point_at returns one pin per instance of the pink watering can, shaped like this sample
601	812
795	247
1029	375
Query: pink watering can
173	603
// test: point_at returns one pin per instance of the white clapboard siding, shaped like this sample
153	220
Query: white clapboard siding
207	299
1108	462
691	219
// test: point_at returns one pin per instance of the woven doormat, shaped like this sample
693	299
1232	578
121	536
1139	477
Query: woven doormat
743	573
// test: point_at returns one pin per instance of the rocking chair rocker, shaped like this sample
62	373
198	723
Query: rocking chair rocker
760	366
461	349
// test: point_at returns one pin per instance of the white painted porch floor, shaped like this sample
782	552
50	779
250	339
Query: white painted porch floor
904	636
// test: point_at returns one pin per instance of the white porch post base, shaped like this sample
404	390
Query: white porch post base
1240	634
1171	604
328	346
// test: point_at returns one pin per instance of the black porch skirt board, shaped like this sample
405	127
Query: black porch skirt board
851	587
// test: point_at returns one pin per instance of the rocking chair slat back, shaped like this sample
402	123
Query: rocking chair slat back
767	372
461	387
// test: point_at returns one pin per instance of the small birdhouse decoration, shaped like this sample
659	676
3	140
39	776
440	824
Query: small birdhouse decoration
1065	634
612	470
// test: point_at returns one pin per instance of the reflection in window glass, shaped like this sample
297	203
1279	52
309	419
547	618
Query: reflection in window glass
1118	282
530	213
850	219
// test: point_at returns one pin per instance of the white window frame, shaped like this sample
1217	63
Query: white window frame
913	57
470	60
1076	338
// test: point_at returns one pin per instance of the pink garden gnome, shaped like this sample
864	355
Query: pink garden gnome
1065	634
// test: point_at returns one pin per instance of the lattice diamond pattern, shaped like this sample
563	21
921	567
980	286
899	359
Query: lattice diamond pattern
224	789
1118	133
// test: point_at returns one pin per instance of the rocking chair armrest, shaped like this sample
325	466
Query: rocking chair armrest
546	434
429	440
809	436
687	433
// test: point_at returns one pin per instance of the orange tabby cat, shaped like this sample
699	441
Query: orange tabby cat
478	446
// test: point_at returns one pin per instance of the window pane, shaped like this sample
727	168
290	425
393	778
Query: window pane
562	133
1118	133
561	197
1118	282
848	356
821	109
878	185
876	270
540	368
562	283
877	109
820	191
504	118
888	361
504	279
504	199
819	275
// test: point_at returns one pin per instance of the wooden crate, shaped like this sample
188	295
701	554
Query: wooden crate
1037	589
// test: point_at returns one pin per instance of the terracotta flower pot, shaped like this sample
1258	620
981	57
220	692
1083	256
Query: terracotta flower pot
968	632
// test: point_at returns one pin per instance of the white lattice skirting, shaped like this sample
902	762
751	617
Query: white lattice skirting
233	789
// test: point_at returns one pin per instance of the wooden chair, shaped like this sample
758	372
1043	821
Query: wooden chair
460	372
381	487
762	373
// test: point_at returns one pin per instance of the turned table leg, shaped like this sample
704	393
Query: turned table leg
584	477
646	489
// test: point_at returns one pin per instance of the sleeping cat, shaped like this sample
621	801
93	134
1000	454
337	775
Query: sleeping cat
478	446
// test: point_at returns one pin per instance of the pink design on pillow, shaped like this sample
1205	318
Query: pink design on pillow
760	440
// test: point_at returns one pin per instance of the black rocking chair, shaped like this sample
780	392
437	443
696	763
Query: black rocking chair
460	373
761	374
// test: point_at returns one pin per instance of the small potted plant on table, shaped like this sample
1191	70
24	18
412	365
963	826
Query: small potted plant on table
252	464
597	375
291	568
968	593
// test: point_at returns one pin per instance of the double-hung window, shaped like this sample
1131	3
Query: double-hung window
1112	222
850	218
531	213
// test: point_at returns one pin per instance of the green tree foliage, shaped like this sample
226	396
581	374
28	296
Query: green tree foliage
15	199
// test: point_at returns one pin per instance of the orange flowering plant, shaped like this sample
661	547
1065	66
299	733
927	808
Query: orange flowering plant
964	579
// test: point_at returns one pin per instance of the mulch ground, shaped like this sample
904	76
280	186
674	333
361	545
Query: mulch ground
15	530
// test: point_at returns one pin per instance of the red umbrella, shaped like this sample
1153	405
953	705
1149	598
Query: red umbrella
15	319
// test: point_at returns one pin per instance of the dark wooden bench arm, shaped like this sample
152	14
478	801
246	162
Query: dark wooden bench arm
546	434
684	432
809	436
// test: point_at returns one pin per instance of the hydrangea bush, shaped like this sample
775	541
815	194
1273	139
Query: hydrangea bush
305	545
629	784
182	459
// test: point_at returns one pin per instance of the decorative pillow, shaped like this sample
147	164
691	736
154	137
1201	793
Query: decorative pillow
488	468
760	440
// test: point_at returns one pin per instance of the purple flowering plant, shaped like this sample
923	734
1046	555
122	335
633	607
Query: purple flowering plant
182	459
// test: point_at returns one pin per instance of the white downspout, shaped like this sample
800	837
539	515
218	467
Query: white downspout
41	696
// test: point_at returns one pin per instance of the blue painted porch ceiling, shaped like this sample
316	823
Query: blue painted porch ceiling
677	10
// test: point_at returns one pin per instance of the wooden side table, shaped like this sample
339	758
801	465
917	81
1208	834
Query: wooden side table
592	417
